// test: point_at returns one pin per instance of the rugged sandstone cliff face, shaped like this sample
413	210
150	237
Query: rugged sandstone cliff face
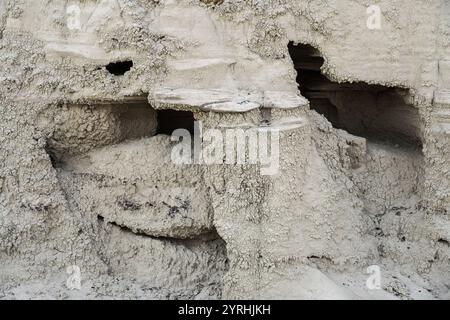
91	90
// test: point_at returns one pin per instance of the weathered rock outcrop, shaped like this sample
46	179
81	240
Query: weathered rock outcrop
357	116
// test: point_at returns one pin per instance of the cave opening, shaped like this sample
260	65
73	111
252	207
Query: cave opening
97	124
170	120
106	123
374	112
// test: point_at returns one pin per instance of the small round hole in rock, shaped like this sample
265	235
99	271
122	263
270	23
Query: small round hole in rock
119	68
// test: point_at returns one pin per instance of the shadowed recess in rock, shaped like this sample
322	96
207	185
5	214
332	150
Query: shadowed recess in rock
372	111
170	120
84	127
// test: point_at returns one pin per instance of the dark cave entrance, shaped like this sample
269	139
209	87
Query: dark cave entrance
170	120
375	112
109	123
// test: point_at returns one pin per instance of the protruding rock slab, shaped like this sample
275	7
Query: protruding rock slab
135	185
284	100
218	100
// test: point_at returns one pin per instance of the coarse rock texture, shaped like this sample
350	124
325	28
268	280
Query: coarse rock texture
90	89
161	200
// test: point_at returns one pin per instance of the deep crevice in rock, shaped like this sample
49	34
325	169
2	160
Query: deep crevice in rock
207	236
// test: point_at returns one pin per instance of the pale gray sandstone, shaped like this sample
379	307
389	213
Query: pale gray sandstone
86	177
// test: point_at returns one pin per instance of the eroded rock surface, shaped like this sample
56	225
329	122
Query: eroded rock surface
90	92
